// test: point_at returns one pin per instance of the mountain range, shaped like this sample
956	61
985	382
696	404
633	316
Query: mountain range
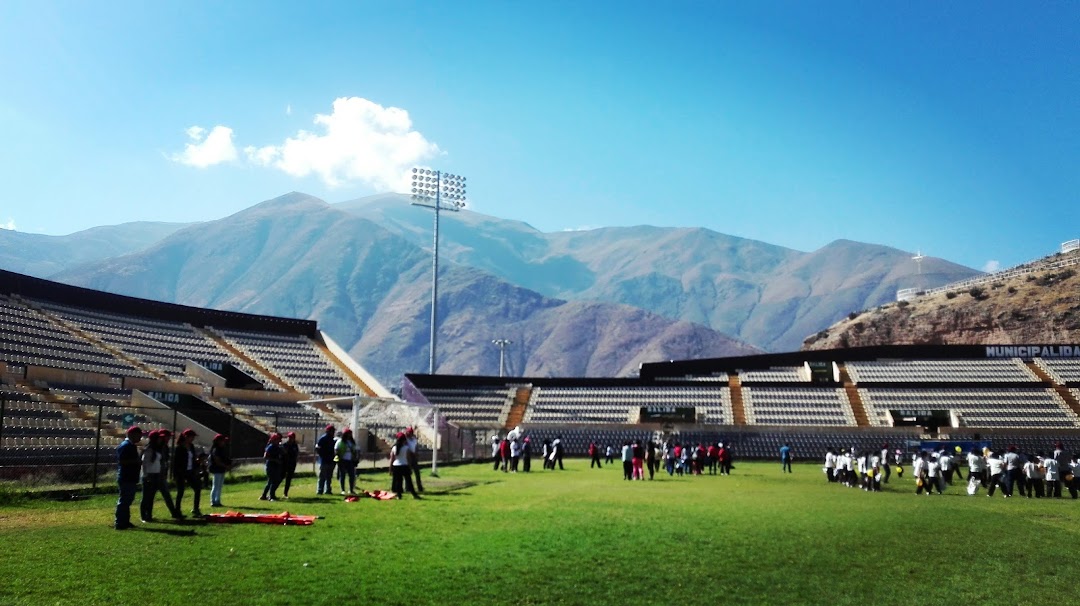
578	303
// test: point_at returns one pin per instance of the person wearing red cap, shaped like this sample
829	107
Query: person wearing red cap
152	478
219	463
292	457
186	471
345	451
274	457
127	476
414	456
399	467
324	451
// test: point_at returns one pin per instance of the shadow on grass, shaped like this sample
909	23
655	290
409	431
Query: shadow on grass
175	532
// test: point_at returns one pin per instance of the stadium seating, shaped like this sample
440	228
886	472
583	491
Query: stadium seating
797	406
941	371
978	407
296	360
1064	372
784	374
622	404
486	406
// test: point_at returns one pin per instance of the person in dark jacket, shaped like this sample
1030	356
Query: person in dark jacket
128	466
274	458
292	457
185	469
324	450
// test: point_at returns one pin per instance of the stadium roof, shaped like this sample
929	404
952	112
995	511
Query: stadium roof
84	298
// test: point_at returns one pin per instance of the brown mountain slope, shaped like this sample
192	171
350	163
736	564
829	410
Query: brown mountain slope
1040	307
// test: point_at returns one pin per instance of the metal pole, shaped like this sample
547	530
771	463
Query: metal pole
435	446
435	278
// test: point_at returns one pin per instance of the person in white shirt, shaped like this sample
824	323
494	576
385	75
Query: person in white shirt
976	471
400	469
995	469
1052	474
883	458
515	455
495	451
1013	465
934	478
875	474
948	466
1034	477
918	470
830	465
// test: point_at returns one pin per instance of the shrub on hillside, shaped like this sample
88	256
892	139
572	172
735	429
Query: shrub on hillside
950	295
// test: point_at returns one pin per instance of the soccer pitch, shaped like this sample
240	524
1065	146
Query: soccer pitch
577	536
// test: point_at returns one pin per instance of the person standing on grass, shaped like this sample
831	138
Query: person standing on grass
651	460
933	475
292	458
400	471
1012	469
830	465
594	454
711	454
526	455
186	471
274	458
515	455
219	464
995	468
976	471
1033	473
345	453
128	465
1052	471
324	450
637	459
609	453
414	456
884	459
151	478
725	455
669	458
504	454
785	458
557	452
918	469
627	461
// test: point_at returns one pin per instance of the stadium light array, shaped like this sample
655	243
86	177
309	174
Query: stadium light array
438	191
502	344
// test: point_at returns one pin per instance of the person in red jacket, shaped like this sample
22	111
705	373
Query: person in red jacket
504	454
594	452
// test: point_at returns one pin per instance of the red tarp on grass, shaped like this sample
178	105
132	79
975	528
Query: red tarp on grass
381	495
284	518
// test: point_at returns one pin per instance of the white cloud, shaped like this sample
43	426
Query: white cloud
582	228
359	141
10	225
207	149
991	266
288	109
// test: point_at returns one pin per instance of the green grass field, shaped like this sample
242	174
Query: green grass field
578	536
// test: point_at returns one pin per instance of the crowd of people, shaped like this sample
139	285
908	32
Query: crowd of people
191	468
1032	475
194	468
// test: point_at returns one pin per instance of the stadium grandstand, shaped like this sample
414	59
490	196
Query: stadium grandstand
860	397
77	366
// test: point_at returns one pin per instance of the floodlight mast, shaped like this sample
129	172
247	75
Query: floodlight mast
502	344
430	188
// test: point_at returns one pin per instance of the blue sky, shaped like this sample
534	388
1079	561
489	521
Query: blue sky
953	128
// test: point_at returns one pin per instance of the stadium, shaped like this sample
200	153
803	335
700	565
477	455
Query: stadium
80	366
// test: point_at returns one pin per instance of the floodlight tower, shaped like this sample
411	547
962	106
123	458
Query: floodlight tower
438	191
918	258
502	344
